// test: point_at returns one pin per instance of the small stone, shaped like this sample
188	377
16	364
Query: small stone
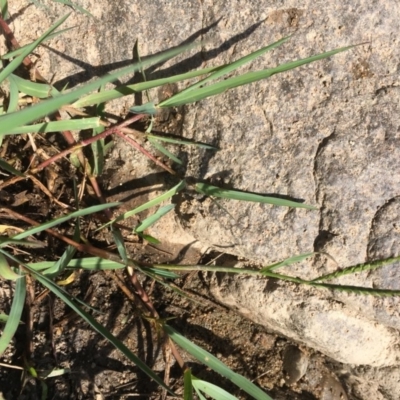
295	364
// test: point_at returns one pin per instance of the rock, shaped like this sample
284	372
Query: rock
295	364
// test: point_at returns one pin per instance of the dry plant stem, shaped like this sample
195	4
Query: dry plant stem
86	142
145	152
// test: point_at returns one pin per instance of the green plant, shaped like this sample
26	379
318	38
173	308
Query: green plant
44	117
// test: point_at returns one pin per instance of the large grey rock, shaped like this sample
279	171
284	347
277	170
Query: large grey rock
327	133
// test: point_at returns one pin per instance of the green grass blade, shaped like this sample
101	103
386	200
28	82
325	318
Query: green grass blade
75	7
147	108
34	89
6	272
231	67
60	220
180	141
58	126
14	95
15	314
7	167
358	289
149	204
96	98
369	266
164	151
288	261
4	9
46	107
89	263
215	191
245	79
211	390
187	385
155	217
57	268
17	52
212	362
14	64
100	329
119	241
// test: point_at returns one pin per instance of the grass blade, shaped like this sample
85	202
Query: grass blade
288	261
164	151
230	67
245	79
17	52
369	266
60	220
14	318
89	263
14	95
7	167
212	390
187	385
96	98
46	107
6	271
58	126
149	204
155	217
100	329
212	362
180	141
34	89
215	191
14	64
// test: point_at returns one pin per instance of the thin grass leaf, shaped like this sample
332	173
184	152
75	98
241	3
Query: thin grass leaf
160	272
149	204
147	108
75	7
103	97
90	263
34	89
7	167
149	238
211	390
215	191
4	9
119	241
100	329
245	79
17	52
55	372
14	95
231	67
58	126
164	151
14	64
154	218
181	141
15	314
288	261
60	220
58	267
187	385
6	241
357	289
212	362
46	107
369	266
6	272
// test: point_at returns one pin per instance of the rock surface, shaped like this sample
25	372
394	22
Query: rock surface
327	133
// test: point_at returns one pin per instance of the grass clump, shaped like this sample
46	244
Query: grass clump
84	105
